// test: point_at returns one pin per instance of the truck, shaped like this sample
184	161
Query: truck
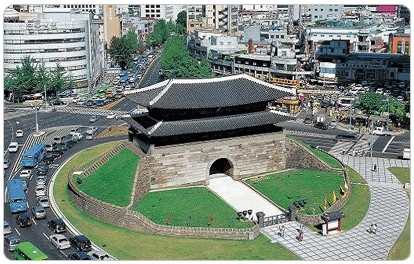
34	155
16	196
406	153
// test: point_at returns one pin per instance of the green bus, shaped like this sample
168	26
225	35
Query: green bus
28	251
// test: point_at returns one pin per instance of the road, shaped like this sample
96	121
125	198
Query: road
61	122
152	75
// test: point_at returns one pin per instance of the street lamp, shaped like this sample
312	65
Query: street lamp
36	108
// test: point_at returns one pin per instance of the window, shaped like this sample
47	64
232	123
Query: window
316	9
336	10
330	9
315	16
330	36
282	36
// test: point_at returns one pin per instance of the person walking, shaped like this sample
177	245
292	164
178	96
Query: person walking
283	231
375	167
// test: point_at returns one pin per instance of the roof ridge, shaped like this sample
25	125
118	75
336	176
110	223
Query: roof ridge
156	98
209	80
151	87
155	127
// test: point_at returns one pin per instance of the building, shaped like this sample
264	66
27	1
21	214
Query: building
400	43
70	40
111	24
359	67
322	12
154	11
196	128
222	17
195	17
201	43
172	11
95	9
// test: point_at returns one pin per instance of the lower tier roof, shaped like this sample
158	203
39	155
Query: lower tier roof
207	125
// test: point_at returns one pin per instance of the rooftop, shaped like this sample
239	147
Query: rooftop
226	91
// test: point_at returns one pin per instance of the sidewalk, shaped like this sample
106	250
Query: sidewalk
241	197
389	208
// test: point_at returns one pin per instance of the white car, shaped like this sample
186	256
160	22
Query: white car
43	201
26	174
91	130
59	241
111	115
40	190
19	133
13	147
98	255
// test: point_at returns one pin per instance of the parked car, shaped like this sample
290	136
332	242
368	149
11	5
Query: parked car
79	255
6	163
57	225
93	119
40	190
38	212
26	174
98	255
43	201
307	120
81	243
7	229
41	180
19	133
59	241
23	220
13	147
11	241
42	168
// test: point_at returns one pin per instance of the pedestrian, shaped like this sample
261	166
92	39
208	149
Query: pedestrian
375	167
17	124
375	228
283	231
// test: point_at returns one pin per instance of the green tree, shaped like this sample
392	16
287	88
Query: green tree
122	50
176	61
159	35
370	102
395	107
182	19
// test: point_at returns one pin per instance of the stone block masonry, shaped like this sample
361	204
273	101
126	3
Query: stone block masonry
184	164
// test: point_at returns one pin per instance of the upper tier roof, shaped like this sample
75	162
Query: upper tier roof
207	93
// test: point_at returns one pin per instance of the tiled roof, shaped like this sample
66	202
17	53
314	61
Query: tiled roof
212	124
208	93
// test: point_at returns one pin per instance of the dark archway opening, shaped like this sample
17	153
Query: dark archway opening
222	166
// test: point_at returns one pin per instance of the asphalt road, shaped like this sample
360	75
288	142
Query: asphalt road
152	74
38	233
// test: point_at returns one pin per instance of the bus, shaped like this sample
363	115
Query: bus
28	251
34	155
16	196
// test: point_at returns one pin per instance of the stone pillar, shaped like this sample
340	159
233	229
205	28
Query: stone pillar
292	212
260	218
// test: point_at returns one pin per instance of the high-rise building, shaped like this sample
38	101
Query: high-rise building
195	17
70	40
155	11
172	11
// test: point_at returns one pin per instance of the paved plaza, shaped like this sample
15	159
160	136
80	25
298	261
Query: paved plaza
241	197
389	209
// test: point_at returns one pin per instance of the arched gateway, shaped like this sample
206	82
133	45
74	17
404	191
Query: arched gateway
191	125
222	165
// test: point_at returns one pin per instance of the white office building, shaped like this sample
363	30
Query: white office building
322	12
70	40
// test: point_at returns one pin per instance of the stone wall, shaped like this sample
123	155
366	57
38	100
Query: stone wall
299	157
126	218
184	164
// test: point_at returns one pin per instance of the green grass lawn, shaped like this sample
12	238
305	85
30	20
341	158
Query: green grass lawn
403	174
357	206
188	207
401	248
112	182
331	161
312	185
131	245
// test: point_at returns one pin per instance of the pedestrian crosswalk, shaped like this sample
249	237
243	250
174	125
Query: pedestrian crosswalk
360	148
89	111
47	137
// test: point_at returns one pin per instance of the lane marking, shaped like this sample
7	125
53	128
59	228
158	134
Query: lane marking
386	146
34	221
17	231
63	253
46	236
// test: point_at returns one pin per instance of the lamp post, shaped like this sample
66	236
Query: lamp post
36	108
